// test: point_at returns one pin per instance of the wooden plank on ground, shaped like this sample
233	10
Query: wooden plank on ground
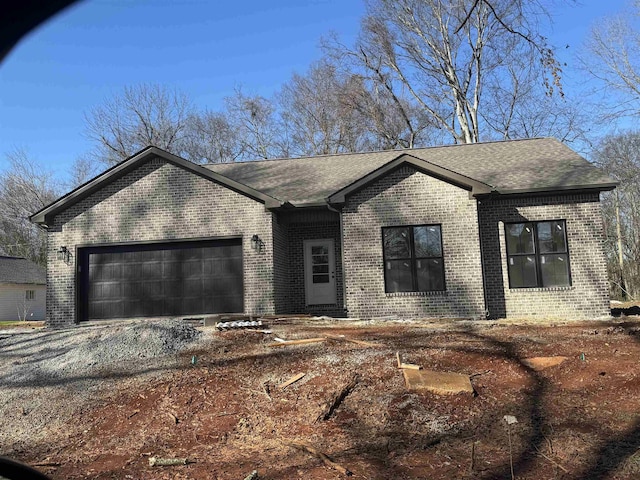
293	379
353	340
296	342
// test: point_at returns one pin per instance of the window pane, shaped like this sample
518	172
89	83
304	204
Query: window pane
519	238
522	271
426	241
430	274
319	259
319	250
554	270
321	269
396	243
398	276
551	237
320	278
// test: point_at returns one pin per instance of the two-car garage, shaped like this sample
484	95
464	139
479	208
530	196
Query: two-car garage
160	279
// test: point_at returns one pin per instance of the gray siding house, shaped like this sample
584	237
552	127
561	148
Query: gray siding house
490	230
22	289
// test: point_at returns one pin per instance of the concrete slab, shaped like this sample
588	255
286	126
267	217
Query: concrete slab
442	383
540	363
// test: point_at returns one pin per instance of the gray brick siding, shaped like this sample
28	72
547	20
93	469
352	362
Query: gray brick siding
408	197
281	266
159	201
588	297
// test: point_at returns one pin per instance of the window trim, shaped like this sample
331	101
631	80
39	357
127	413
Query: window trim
413	259
536	253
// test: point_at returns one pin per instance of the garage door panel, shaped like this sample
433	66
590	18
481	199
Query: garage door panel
181	278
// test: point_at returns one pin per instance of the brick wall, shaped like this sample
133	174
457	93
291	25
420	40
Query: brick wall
159	201
281	269
408	197
588	296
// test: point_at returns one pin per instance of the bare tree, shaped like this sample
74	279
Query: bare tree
255	121
392	117
613	58
212	138
518	106
142	115
444	54
82	170
619	156
25	187
321	112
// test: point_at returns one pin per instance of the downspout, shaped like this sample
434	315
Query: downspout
344	280
482	266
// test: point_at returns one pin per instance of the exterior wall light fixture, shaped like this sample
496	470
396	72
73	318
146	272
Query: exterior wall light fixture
256	243
64	254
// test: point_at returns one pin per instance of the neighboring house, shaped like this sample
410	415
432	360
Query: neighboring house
501	229
22	289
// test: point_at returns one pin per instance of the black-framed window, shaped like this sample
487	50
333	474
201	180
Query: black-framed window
413	258
537	254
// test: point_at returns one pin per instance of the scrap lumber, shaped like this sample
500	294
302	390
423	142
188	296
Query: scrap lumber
337	398
305	447
252	476
409	366
352	340
292	380
441	383
296	342
167	462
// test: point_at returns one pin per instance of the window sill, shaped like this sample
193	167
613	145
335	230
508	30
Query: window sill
417	294
540	289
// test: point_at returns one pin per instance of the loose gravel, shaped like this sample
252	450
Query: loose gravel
48	376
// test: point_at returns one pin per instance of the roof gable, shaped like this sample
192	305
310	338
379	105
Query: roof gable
474	186
45	215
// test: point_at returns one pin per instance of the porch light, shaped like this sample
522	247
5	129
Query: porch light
257	243
64	254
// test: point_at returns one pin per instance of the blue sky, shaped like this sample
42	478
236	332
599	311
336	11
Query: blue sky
90	51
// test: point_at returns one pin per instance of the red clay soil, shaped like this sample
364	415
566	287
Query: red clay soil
577	420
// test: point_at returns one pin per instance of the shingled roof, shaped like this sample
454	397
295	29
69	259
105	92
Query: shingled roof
539	164
515	166
21	270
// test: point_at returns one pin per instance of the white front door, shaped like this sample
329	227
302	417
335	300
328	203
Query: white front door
319	272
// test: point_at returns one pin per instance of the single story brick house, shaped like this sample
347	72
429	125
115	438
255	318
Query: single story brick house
22	289
498	229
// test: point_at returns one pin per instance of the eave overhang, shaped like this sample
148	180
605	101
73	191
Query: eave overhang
45	216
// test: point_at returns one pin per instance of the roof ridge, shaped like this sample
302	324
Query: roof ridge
369	152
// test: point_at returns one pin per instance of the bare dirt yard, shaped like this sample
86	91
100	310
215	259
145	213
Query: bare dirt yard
100	402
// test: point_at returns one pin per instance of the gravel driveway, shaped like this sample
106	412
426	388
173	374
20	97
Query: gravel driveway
49	376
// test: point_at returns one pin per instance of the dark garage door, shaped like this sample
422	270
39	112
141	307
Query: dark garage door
173	279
